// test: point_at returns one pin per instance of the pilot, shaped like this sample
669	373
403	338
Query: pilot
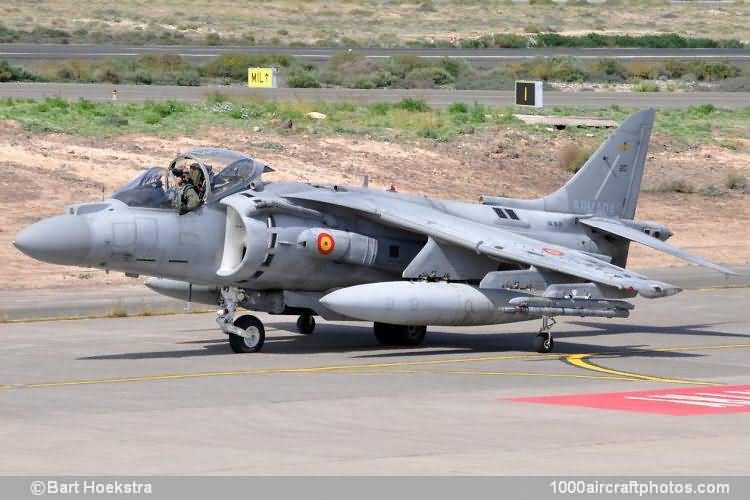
196	177
187	198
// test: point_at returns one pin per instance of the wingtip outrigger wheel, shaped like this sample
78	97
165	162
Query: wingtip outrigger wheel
544	342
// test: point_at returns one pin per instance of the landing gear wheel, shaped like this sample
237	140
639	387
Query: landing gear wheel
544	343
399	335
256	335
306	324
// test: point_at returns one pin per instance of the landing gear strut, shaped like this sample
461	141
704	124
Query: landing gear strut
246	333
306	324
544	342
400	335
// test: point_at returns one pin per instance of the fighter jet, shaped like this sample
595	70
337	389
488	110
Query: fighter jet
400	261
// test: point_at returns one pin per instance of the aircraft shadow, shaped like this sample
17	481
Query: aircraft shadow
360	343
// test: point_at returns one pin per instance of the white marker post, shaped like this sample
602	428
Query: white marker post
529	94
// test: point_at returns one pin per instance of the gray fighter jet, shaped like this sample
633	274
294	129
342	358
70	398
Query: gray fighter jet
352	253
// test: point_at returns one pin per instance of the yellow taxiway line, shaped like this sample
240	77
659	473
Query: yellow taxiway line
581	361
578	360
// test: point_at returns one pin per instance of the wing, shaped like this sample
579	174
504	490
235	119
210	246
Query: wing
489	240
633	234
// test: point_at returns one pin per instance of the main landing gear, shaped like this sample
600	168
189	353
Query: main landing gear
544	342
306	324
399	335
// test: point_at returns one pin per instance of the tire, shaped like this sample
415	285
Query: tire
543	343
306	324
243	344
399	335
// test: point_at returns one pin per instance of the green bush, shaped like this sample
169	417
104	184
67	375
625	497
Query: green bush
300	78
431	74
10	73
701	110
562	69
458	108
509	41
608	69
151	118
701	70
379	108
646	87
415	105
234	66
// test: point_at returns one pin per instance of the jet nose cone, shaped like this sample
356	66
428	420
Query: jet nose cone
65	239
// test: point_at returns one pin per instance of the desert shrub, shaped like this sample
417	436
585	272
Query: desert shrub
562	69
165	108
701	110
701	70
675	186
458	108
414	105
432	75
151	118
213	39
646	87
107	73
379	108
509	41
234	66
9	73
608	69
642	70
73	70
573	156
737	182
301	78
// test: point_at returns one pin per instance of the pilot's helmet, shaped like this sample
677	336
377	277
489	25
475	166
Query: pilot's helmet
178	172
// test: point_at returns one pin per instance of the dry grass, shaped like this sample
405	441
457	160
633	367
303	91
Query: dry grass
379	21
573	156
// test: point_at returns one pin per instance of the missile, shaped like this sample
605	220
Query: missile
424	303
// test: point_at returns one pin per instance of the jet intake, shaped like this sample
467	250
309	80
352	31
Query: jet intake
246	240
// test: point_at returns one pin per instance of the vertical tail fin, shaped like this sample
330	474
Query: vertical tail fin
609	182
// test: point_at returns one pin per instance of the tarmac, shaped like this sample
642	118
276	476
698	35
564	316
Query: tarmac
439	98
165	395
196	53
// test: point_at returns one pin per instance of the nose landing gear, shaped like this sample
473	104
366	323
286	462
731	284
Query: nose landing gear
246	333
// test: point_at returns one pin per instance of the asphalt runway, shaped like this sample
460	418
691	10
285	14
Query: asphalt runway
434	97
26	51
164	395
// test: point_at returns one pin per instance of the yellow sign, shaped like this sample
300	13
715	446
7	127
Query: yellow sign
260	77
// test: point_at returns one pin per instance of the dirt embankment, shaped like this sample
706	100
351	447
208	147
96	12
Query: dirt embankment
40	173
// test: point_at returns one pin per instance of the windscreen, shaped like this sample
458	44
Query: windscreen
148	190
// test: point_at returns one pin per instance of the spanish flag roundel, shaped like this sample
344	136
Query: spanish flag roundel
326	243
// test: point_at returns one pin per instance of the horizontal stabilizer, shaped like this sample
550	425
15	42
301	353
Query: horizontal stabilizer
632	234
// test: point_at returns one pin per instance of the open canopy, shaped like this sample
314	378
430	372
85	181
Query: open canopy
227	172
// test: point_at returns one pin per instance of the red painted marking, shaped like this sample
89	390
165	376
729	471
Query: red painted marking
552	251
326	243
677	401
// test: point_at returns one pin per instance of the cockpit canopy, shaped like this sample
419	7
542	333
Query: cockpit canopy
227	172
